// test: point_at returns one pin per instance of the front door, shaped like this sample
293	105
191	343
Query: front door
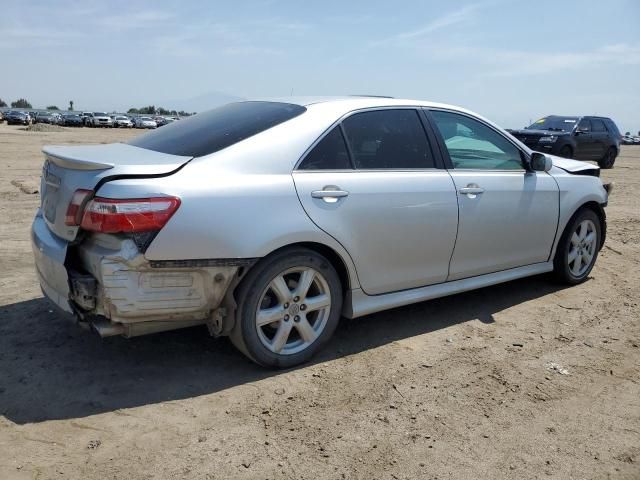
382	198
507	216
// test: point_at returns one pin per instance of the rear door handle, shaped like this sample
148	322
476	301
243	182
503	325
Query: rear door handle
329	194
471	190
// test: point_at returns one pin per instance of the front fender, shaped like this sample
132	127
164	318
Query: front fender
575	192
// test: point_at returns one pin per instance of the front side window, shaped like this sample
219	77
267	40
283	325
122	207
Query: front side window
388	139
584	125
473	145
329	154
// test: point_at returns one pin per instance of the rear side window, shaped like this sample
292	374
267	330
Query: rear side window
598	125
329	154
211	131
388	139
612	127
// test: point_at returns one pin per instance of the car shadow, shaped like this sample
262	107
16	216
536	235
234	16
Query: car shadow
52	369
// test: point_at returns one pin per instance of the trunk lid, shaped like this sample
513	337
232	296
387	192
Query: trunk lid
67	169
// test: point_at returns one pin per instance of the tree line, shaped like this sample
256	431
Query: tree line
148	110
24	103
153	110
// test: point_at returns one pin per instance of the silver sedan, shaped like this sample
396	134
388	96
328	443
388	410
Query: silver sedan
267	221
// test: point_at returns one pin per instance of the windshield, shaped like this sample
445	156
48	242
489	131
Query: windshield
122	118
558	124
216	129
100	114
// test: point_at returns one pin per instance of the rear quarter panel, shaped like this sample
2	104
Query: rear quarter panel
227	214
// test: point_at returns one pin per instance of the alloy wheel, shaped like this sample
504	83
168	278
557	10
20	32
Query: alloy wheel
293	310
583	248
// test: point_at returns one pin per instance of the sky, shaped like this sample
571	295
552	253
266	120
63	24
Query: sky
511	61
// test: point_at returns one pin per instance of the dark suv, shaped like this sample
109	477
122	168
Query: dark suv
582	138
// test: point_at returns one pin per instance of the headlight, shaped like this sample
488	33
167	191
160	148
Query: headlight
548	139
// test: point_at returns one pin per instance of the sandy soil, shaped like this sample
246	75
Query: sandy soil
454	388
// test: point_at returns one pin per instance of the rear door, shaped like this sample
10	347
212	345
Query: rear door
585	149
507	216
600	138
372	183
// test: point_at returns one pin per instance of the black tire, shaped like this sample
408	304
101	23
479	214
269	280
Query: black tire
609	158
566	152
562	264
254	288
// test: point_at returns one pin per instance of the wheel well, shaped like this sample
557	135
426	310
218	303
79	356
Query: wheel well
330	254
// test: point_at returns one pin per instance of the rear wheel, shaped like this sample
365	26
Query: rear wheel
609	158
288	307
566	152
578	248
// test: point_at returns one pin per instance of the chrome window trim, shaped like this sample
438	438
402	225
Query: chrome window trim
373	170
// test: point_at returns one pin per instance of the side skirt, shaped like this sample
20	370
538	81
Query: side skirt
357	303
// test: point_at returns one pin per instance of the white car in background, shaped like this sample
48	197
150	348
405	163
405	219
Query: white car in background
99	119
122	121
145	122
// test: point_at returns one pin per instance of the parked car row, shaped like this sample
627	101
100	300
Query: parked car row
631	140
85	119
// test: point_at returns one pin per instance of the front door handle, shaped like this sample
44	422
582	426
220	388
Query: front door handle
330	194
471	189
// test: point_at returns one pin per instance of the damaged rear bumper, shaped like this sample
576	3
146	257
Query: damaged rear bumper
49	252
106	281
121	292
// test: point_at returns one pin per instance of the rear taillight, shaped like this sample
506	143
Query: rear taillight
76	206
108	215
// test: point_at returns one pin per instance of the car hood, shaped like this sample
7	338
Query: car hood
528	132
572	166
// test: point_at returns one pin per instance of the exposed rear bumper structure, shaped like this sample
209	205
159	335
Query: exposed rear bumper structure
108	283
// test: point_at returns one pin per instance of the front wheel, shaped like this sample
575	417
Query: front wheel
609	158
566	152
288	307
578	248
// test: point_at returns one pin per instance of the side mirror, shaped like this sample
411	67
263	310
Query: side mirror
539	162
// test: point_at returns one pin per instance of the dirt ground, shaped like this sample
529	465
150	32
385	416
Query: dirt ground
460	387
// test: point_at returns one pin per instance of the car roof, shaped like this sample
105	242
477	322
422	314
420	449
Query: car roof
578	116
362	101
341	105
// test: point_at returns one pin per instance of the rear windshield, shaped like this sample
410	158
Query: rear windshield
216	129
